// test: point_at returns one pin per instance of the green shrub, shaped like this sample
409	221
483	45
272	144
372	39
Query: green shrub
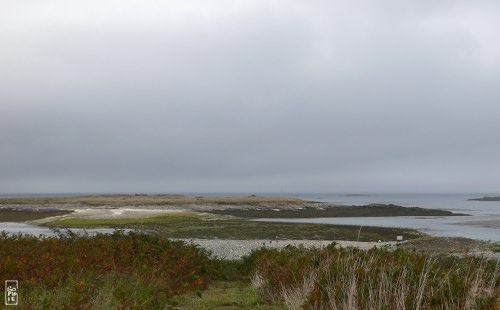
348	278
126	270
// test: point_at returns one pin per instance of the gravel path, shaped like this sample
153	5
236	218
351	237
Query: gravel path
235	249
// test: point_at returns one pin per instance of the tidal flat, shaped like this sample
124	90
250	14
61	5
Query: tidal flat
212	218
179	216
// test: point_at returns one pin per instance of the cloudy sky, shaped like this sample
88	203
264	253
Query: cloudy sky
249	96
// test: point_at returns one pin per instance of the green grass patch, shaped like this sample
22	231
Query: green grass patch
495	247
224	295
127	222
210	226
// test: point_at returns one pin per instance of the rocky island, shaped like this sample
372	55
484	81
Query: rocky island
486	198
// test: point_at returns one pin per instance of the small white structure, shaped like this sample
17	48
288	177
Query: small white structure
399	238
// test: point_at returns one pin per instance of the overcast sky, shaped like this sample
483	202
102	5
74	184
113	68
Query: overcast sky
249	96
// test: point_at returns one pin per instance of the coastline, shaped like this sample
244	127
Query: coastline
161	211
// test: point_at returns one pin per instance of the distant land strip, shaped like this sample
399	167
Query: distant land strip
240	206
486	198
372	210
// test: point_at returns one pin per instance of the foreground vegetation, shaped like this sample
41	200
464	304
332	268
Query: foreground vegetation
495	247
350	278
144	271
207	226
104	271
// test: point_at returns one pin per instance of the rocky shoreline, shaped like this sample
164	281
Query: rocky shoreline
236	249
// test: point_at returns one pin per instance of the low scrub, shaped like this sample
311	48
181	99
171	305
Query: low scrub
144	271
113	271
348	278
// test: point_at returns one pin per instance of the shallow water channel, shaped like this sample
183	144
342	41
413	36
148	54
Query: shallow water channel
23	228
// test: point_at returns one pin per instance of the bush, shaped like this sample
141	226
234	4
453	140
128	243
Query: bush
348	278
125	270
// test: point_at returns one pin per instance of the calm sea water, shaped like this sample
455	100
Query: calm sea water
483	224
23	228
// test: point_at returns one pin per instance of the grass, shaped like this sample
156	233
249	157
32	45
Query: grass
224	295
208	226
129	222
348	278
445	244
144	271
495	247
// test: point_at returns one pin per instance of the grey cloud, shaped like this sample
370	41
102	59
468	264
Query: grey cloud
249	96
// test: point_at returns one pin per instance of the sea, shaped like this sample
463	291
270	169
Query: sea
482	221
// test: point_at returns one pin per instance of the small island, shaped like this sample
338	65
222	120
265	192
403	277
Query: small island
486	198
